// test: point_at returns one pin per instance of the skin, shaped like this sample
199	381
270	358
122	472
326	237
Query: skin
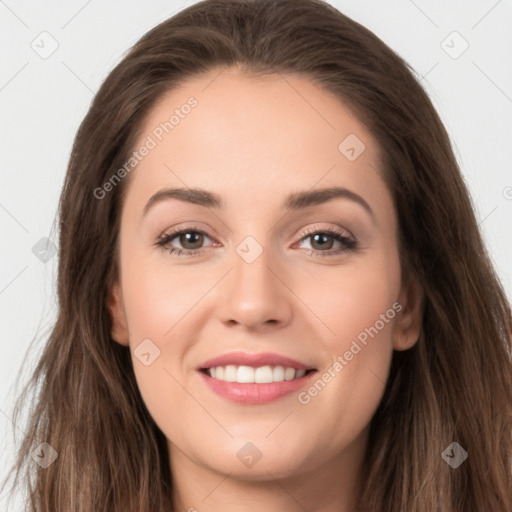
253	141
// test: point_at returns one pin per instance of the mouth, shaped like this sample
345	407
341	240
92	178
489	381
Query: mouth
254	379
255	385
256	375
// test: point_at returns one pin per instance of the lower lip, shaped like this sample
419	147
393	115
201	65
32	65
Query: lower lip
252	393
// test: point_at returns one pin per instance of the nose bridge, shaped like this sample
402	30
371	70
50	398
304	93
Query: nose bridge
255	295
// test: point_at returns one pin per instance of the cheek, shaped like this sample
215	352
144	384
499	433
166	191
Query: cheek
158	301
353	299
358	307
157	296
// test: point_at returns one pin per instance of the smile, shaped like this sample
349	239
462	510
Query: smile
248	375
245	390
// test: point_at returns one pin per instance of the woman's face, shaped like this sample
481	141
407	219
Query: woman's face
290	250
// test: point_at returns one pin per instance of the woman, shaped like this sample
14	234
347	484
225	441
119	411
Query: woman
335	338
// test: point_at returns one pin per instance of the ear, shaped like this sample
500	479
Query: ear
119	325
410	318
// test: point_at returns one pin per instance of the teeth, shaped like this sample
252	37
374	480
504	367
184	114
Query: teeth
230	373
245	374
263	374
248	374
289	374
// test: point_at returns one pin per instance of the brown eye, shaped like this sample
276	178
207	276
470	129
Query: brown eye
323	240
191	239
187	241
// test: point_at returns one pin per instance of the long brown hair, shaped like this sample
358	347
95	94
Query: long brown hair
454	385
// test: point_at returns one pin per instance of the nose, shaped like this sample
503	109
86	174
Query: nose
255	295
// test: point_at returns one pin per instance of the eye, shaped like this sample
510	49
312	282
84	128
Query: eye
320	238
191	240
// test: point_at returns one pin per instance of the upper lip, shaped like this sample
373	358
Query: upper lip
254	360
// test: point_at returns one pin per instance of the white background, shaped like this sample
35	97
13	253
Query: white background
43	101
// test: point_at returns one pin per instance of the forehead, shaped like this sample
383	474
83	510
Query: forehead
234	133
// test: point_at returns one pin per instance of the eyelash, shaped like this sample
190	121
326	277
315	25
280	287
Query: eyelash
348	243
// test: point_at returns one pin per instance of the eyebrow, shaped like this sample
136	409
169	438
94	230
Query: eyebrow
294	201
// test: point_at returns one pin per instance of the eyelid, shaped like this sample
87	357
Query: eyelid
178	229
326	229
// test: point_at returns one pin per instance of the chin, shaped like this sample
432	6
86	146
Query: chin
248	462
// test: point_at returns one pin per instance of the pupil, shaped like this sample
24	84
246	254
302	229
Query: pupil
322	236
189	238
